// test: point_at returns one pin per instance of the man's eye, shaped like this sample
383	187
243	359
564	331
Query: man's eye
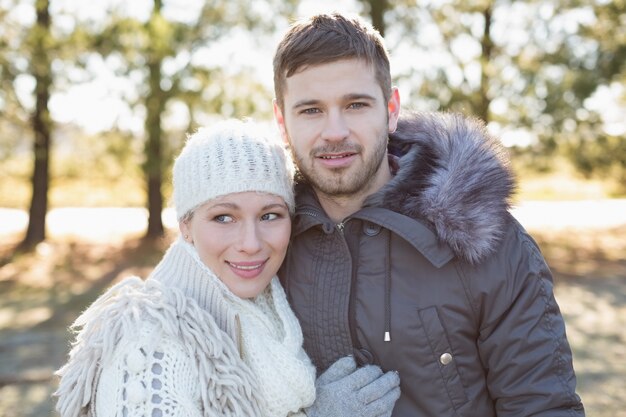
223	218
312	110
357	105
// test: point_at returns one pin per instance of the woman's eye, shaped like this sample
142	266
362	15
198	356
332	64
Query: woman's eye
223	218
270	216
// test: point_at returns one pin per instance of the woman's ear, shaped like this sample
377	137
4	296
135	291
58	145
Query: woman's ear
183	226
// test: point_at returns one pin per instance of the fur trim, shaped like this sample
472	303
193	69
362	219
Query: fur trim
453	174
226	382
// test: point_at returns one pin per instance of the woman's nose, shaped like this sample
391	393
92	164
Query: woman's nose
250	240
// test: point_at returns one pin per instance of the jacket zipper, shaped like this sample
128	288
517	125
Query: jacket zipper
351	296
356	345
308	213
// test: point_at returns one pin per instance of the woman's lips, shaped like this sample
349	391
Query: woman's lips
247	270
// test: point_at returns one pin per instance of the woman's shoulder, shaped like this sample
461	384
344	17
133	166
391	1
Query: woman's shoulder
137	322
124	307
140	324
136	298
146	309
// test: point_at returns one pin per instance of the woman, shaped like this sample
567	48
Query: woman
210	331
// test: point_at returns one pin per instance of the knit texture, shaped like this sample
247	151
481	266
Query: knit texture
271	339
130	337
169	346
272	347
231	156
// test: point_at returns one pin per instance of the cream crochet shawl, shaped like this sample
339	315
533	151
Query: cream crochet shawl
181	344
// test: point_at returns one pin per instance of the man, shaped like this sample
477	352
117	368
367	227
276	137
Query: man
403	251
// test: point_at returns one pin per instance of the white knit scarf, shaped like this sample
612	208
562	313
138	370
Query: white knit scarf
272	345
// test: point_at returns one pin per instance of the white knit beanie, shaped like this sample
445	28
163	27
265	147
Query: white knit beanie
231	156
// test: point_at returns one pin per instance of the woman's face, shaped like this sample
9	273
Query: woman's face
242	238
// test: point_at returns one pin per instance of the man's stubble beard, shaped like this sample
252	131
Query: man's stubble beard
339	183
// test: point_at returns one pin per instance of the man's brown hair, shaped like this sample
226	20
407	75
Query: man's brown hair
326	38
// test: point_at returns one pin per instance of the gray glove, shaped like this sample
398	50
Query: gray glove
345	391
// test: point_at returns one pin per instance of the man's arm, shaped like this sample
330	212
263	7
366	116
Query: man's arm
523	344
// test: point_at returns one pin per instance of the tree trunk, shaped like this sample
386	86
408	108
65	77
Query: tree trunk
155	106
377	14
153	165
485	62
41	123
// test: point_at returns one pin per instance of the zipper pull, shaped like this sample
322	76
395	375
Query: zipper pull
387	337
340	227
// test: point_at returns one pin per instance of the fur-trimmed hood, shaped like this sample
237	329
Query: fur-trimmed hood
454	175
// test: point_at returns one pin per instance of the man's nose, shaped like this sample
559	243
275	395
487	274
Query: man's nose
335	127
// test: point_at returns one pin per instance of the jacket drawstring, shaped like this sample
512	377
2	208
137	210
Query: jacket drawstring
387	336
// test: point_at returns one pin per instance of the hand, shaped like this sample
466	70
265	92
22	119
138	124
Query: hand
345	391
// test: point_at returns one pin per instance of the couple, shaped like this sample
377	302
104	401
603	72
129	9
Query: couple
415	292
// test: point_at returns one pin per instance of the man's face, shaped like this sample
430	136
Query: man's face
337	121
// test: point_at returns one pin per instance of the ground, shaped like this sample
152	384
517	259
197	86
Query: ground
43	292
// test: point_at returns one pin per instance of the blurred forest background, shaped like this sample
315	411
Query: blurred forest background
96	99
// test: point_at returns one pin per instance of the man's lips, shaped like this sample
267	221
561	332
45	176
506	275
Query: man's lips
336	155
336	160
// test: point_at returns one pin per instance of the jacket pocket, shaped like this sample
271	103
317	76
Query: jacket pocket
443	355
